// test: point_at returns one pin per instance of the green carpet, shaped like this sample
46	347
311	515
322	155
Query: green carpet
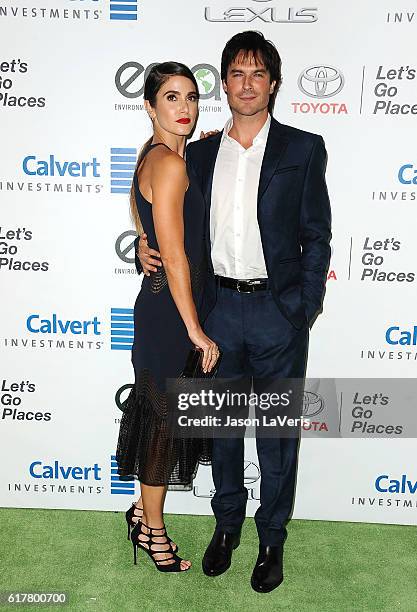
328	566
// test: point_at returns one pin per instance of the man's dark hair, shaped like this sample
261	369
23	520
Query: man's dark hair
252	43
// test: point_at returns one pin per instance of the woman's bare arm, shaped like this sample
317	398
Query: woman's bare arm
168	183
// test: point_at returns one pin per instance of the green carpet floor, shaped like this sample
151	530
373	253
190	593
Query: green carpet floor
328	566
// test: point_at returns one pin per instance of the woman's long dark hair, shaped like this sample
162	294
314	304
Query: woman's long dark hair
157	76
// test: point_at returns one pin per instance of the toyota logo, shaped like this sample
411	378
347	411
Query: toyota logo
312	404
321	81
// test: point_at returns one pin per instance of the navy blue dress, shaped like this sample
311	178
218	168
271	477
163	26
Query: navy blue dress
146	447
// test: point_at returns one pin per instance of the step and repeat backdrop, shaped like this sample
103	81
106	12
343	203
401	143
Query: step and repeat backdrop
72	121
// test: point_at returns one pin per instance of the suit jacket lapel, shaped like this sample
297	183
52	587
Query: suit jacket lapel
211	150
275	147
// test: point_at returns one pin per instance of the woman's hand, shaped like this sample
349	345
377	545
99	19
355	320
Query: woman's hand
209	348
207	134
148	256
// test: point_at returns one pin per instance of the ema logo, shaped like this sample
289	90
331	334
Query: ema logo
122	330
124	10
118	486
122	167
131	76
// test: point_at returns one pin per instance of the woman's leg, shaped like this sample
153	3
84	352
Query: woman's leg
153	499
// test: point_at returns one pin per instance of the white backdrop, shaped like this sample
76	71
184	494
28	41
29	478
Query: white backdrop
71	74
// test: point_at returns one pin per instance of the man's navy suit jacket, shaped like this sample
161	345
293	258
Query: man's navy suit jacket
294	217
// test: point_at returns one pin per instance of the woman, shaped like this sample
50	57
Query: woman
168	205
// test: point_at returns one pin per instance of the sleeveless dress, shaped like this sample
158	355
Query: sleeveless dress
146	447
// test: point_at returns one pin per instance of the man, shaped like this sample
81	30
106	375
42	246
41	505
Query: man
268	223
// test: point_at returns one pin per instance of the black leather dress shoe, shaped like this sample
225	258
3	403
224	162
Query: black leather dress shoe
218	556
267	573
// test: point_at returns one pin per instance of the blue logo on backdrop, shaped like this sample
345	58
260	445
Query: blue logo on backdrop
405	337
407	174
57	471
121	329
385	484
123	162
124	10
119	486
54	167
36	325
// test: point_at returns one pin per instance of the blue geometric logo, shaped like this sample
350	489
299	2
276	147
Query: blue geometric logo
122	167
118	486
125	10
122	331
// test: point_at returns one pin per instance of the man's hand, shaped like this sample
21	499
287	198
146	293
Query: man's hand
207	134
149	258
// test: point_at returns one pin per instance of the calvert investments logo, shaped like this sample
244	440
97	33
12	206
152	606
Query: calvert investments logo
261	11
122	329
122	168
403	176
55	331
396	335
407	174
119	485
390	491
399	344
54	476
54	173
403	484
320	82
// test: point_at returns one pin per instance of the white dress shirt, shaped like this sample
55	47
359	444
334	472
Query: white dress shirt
236	248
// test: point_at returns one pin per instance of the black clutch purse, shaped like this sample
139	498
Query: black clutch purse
193	365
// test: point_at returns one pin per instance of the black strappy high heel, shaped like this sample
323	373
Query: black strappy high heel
129	514
171	564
